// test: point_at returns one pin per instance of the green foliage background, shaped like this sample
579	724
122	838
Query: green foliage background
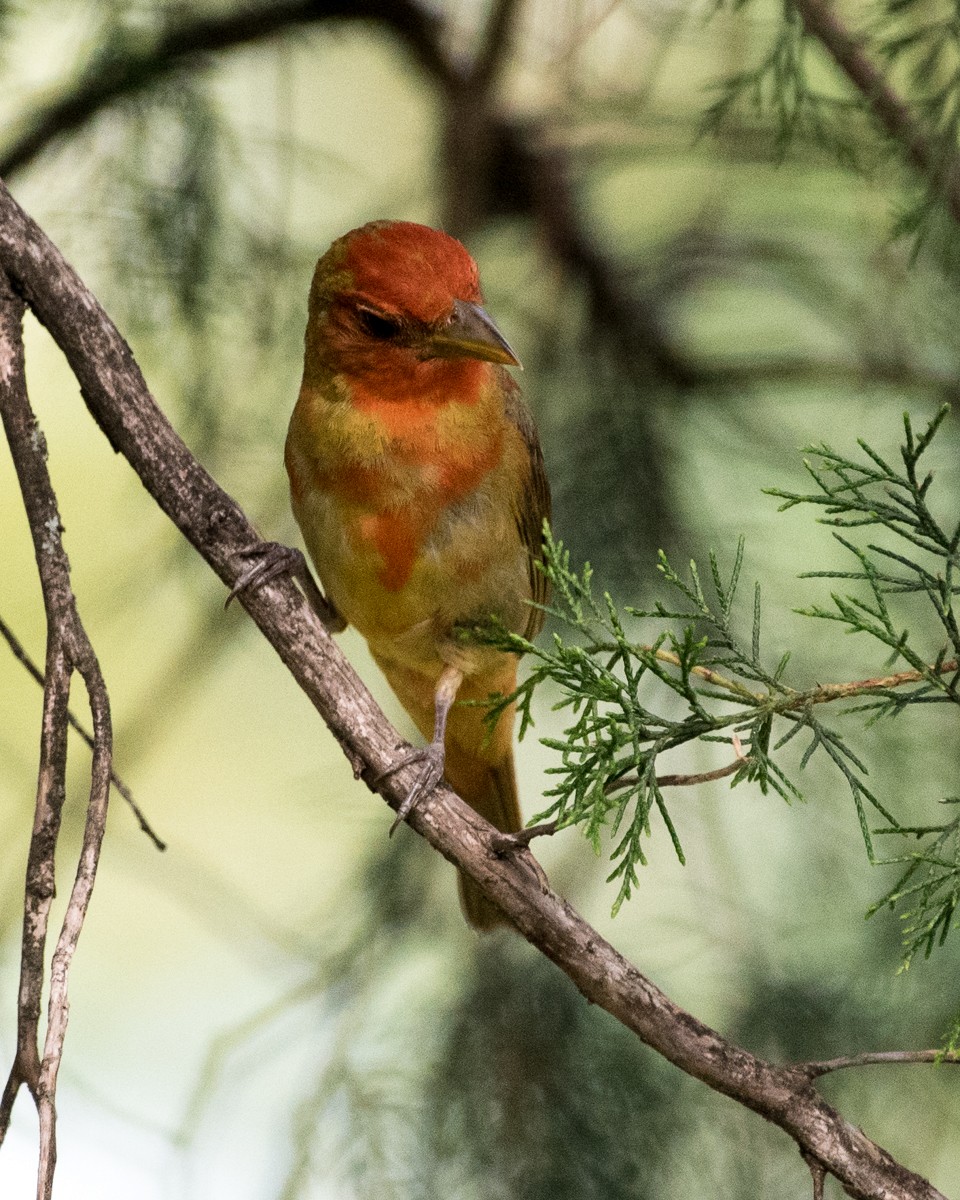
285	1004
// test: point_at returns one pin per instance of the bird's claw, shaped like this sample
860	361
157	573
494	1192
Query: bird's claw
270	559
432	758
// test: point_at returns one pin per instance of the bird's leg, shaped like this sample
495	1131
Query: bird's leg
431	755
270	559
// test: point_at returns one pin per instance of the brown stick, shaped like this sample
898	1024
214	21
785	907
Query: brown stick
68	649
506	842
117	396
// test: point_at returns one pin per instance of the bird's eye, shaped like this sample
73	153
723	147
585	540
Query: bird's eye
378	325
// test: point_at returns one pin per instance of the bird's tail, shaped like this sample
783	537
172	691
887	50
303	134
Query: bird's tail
490	788
478	763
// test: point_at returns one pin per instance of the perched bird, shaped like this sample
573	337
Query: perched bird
417	480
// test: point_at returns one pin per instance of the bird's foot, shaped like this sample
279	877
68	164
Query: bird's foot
270	559
432	758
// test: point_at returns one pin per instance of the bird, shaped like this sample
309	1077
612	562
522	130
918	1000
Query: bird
418	483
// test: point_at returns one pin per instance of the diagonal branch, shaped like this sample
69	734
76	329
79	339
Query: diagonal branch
492	52
116	394
821	21
68	650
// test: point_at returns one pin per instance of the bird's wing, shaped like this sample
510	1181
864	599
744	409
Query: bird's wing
531	503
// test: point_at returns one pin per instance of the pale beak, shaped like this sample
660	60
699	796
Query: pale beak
471	333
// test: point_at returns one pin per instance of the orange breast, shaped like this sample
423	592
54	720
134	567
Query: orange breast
395	505
396	539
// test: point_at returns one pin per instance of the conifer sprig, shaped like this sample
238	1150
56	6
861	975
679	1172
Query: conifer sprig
642	682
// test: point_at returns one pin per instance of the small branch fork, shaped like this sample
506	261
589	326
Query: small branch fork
119	400
22	657
68	650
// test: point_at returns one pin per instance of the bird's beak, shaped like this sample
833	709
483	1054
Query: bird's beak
471	333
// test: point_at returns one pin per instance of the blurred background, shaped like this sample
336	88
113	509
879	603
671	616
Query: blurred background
285	1005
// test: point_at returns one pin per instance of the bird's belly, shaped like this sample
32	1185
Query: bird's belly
405	581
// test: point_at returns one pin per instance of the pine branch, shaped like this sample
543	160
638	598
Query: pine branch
941	173
623	693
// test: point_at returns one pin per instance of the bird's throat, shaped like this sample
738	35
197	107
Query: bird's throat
403	397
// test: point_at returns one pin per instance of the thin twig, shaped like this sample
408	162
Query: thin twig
21	655
663	781
828	692
813	1070
824	693
507	842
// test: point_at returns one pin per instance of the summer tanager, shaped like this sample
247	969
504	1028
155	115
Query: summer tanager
417	480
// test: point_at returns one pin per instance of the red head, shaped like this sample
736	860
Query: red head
392	303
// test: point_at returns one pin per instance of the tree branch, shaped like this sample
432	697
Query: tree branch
68	649
116	394
822	693
635	328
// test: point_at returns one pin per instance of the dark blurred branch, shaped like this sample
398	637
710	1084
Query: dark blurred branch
492	164
491	56
109	79
628	322
116	394
803	371
942	172
68	650
20	654
471	134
